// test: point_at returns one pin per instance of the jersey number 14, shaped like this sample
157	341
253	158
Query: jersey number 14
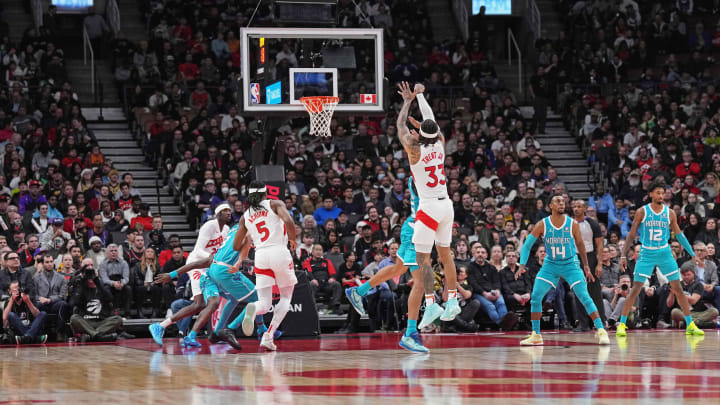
558	251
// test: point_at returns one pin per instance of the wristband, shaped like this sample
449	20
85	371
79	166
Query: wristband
173	274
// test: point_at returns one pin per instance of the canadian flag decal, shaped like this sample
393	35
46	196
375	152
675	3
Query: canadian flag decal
368	99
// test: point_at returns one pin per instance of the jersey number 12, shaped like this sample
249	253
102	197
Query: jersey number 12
656	235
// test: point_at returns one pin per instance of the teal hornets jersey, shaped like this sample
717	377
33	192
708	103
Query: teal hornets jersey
414	201
227	254
655	228
559	242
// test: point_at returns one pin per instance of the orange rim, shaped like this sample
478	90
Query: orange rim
315	104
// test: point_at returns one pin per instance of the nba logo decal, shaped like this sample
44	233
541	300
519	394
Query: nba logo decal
254	93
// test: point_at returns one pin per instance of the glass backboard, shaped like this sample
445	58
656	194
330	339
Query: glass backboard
280	65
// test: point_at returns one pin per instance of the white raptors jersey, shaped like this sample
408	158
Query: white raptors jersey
429	172
210	238
265	226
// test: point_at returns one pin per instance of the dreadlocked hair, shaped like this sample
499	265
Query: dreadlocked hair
254	199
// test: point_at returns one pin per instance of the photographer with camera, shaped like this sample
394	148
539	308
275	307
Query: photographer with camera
93	307
23	318
613	308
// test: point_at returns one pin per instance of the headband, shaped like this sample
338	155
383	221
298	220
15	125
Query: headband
257	190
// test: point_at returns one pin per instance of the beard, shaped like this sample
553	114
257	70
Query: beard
634	183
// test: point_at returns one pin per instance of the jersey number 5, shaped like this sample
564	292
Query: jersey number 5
263	231
435	180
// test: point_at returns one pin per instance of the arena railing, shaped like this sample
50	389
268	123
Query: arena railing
38	8
512	43
113	15
87	46
533	17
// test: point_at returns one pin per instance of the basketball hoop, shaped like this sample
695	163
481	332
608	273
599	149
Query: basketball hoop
321	110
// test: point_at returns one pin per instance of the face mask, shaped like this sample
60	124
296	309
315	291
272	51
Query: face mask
381	176
401	176
225	190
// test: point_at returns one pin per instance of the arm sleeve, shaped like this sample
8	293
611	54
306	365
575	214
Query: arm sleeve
526	248
425	109
685	244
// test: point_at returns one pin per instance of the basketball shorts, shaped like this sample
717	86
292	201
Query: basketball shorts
662	258
274	265
237	286
406	251
195	276
208	287
551	272
433	224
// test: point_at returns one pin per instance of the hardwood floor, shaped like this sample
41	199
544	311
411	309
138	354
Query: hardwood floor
647	367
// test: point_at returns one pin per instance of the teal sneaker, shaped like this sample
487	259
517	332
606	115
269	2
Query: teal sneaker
432	313
157	332
413	343
190	342
452	309
355	299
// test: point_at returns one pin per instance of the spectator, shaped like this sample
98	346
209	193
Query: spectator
486	285
322	278
143	275
24	319
51	293
618	217
515	289
12	272
327	211
701	314
705	273
115	275
614	306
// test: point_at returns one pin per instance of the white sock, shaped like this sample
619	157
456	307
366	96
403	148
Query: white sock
429	299
452	294
166	323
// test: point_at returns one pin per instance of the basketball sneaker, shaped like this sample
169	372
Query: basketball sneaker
432	313
267	342
602	336
157	332
228	335
413	343
452	309
621	330
355	299
533	340
694	330
190	342
248	323
262	329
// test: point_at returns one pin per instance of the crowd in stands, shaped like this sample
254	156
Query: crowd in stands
79	243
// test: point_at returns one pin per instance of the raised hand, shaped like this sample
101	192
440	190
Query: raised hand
419	88
405	91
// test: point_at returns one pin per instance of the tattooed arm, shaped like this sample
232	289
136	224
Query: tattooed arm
408	138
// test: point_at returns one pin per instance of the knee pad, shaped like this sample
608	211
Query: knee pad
584	297
538	293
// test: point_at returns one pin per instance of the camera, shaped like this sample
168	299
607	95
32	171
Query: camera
624	287
88	272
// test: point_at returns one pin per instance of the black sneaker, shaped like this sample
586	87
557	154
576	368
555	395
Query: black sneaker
228	335
125	335
213	338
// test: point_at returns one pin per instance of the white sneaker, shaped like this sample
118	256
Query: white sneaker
267	342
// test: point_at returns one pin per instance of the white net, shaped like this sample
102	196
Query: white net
321	110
